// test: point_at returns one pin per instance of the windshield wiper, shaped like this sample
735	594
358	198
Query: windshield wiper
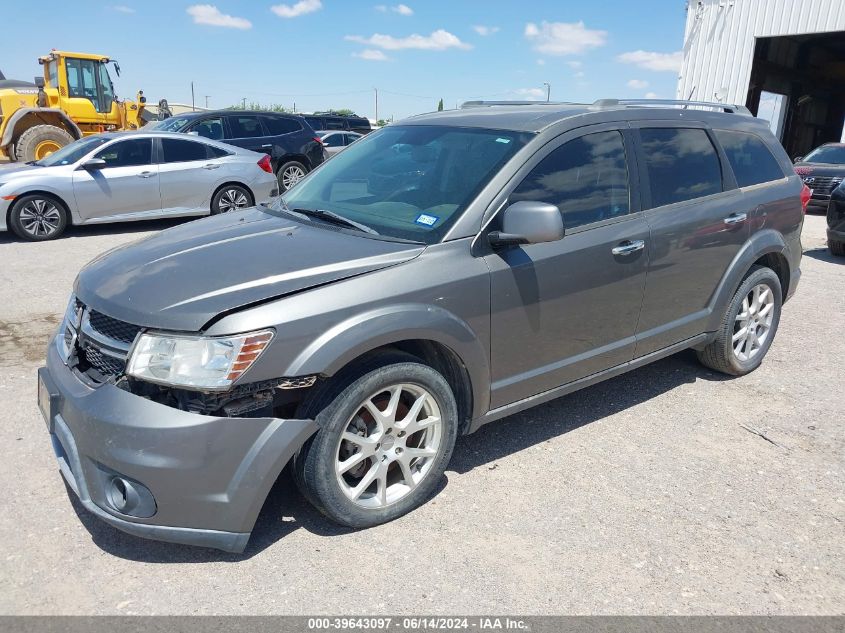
333	218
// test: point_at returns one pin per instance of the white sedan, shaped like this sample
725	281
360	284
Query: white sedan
335	140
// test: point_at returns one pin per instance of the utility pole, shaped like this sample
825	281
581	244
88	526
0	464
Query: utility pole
548	90
206	101
376	91
193	107
244	101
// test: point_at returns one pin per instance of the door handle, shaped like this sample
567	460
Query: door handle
735	218
267	146
211	166
145	174
627	247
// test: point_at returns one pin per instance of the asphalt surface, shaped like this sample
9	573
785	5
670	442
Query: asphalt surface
642	495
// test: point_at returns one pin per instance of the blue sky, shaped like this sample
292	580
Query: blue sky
323	54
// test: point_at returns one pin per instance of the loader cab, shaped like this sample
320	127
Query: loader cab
81	85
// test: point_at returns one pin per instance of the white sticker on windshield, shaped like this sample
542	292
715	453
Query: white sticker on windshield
427	220
503	140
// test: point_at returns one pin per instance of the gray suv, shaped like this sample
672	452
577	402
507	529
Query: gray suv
439	274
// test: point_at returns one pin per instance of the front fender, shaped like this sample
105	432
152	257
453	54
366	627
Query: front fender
350	339
760	244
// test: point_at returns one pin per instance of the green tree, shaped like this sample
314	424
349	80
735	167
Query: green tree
440	106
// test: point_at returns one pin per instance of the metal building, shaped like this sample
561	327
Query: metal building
783	59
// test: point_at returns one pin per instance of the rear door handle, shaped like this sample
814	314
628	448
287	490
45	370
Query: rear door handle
146	174
267	146
735	218
211	166
628	246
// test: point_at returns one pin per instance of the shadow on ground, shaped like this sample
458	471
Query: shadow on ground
115	228
285	510
824	255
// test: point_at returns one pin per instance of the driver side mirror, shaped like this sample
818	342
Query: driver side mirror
527	222
797	159
93	164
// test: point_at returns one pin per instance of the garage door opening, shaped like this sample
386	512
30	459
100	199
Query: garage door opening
800	79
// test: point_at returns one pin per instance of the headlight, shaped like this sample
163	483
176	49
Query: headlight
195	361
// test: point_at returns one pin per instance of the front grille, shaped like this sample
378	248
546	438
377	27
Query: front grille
114	329
822	185
107	365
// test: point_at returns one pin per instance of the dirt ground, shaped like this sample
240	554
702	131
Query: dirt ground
641	495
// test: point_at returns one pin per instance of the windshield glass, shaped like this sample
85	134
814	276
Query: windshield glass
410	182
173	124
833	154
73	152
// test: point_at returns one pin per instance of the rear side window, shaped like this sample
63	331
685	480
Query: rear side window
280	125
586	178
682	164
335	124
750	159
315	122
216	152
245	127
178	151
333	140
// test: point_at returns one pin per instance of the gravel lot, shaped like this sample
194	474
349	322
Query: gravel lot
639	495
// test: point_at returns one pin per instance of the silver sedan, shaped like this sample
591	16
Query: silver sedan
336	140
123	176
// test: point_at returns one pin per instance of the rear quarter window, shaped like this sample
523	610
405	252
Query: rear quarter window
281	125
752	162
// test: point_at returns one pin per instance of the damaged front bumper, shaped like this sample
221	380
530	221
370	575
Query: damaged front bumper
158	472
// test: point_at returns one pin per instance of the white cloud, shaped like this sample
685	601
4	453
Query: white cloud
637	84
401	9
654	61
563	38
579	74
210	15
372	55
530	92
541	62
485	30
122	8
651	95
575	64
439	40
295	10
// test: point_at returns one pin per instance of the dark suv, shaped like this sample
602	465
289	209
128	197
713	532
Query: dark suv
335	121
439	274
292	144
823	170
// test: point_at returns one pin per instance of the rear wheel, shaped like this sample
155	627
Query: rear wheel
749	325
384	442
37	218
836	248
40	141
231	198
289	174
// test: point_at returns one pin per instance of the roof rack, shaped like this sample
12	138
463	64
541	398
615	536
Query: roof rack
645	103
482	104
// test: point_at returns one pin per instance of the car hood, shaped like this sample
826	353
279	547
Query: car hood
17	171
182	277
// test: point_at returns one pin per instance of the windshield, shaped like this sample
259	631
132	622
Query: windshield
173	124
410	182
71	153
833	154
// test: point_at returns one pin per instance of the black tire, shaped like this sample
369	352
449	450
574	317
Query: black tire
231	198
836	248
334	407
291	167
38	217
720	355
28	142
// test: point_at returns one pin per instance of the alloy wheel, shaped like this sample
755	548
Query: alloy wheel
389	445
753	324
233	199
292	175
40	218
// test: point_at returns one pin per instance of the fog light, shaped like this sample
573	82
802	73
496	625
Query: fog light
119	494
126	496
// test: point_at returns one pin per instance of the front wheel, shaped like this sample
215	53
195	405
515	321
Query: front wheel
37	218
749	326
384	443
836	248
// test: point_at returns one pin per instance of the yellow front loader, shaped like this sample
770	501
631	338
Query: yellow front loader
74	98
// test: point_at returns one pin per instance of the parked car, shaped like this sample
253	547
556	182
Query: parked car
293	146
337	121
336	141
123	176
836	222
823	170
440	274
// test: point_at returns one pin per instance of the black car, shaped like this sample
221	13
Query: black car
823	170
335	121
291	142
836	222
